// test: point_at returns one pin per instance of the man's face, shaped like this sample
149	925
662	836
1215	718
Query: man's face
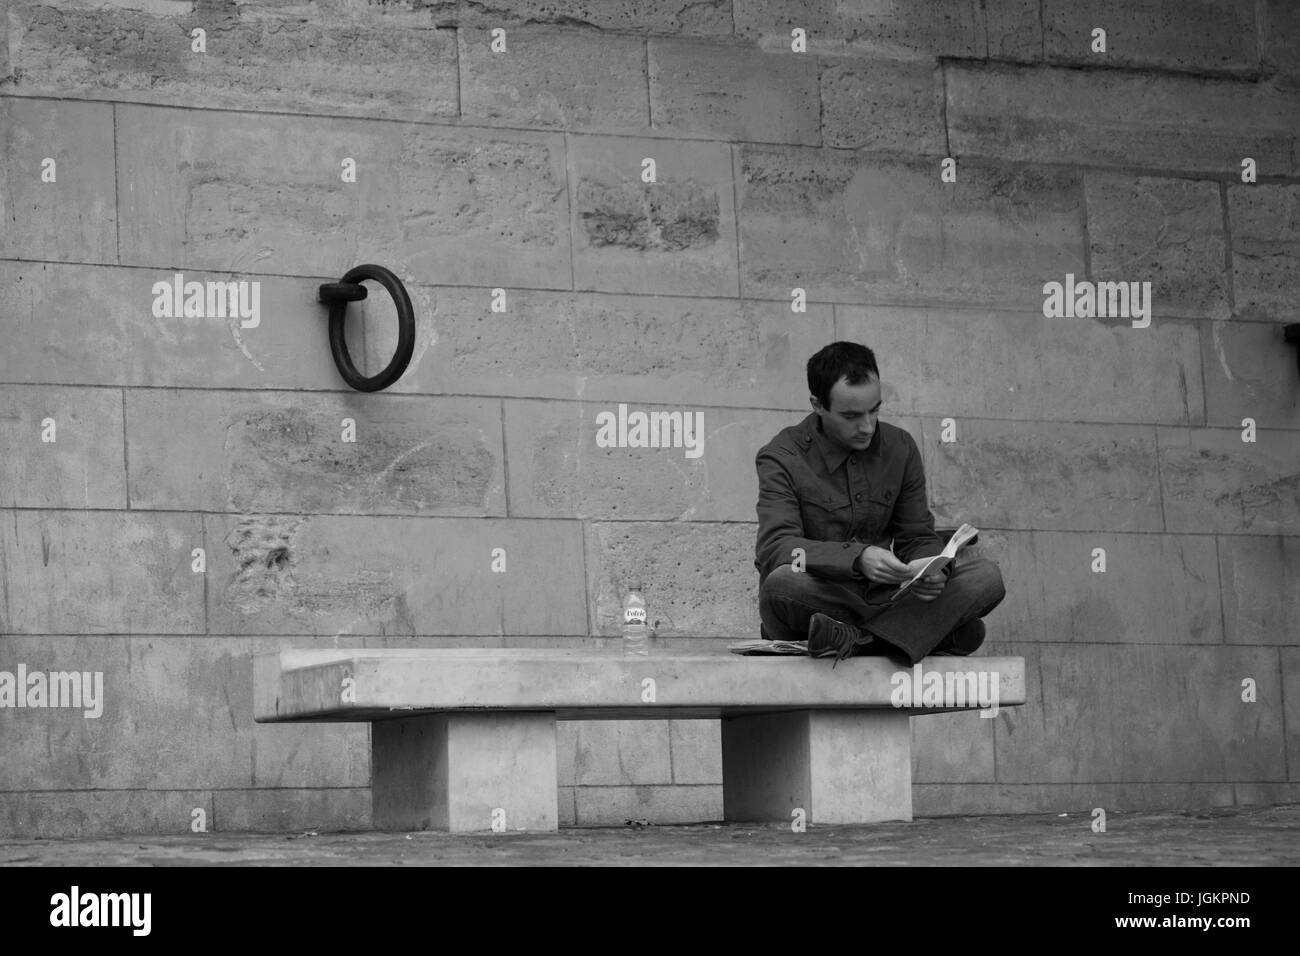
851	420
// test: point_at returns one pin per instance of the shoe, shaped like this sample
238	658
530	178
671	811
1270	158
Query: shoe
828	637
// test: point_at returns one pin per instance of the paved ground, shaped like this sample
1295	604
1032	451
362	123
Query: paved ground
1221	837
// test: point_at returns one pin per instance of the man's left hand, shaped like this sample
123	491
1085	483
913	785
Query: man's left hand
930	586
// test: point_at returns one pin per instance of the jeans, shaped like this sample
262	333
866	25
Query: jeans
907	629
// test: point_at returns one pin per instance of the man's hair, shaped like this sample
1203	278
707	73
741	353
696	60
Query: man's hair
839	360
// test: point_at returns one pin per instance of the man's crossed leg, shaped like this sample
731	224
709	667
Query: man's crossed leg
907	629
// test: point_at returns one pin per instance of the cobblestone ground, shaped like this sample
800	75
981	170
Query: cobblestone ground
1220	837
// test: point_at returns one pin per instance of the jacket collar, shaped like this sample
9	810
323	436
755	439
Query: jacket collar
832	454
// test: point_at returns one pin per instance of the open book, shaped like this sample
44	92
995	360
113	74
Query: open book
937	563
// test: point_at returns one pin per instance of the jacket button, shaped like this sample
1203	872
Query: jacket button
858	496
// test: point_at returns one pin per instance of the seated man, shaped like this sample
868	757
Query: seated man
839	485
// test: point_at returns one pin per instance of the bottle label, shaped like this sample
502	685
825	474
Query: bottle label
634	615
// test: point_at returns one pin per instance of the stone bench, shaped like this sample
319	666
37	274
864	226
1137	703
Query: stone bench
463	738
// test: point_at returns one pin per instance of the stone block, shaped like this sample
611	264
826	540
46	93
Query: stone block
853	228
1212	481
1044	476
733	93
561	463
1265	225
100	572
294	574
82	467
312	63
75	216
1192	36
882	105
245	193
285	451
937	361
1168	232
676	235
1250	372
1158	714
1261	589
553	78
1119	118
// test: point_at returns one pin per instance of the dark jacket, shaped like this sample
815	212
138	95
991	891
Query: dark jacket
833	502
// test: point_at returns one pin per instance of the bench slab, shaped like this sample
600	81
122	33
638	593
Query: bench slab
464	739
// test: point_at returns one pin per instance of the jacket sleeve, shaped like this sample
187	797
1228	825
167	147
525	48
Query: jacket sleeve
912	523
780	528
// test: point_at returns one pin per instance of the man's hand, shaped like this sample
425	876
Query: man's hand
879	565
928	588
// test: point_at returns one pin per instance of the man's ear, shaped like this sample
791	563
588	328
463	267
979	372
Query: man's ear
816	405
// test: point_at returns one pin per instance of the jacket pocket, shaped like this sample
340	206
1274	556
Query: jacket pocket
827	519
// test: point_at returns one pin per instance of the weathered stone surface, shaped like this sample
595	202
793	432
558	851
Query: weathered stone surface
1014	29
1168	232
622	753
1261	589
1212	481
286	810
733	93
1044	476
670	17
304	64
699	578
952	748
1265	226
1119	118
557	469
75	216
1250	372
922	29
883	104
614	806
100	572
554	78
696	749
284	451
77	814
82	467
936	361
94	325
609	347
278	574
676	235
1151	714
175	713
249	193
1156	588
1279	42
1196	36
851	228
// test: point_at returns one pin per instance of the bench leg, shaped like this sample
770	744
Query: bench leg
464	772
839	766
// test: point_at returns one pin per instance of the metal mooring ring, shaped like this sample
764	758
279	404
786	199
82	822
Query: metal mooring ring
337	295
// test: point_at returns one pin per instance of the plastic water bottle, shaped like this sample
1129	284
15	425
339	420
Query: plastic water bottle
635	626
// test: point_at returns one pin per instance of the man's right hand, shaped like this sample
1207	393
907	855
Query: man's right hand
879	565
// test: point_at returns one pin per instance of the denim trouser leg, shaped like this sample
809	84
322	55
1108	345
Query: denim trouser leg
912	628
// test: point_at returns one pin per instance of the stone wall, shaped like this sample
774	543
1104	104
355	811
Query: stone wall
522	171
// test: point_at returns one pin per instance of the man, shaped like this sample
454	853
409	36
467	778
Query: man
838	486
